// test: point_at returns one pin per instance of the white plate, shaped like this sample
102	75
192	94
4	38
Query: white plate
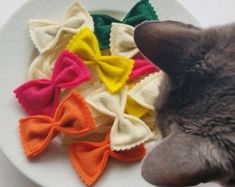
53	167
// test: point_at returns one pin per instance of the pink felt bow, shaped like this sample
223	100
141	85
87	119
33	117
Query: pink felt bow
142	66
42	96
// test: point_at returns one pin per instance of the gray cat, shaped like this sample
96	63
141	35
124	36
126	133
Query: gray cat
197	122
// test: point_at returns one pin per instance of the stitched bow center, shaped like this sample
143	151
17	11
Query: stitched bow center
42	96
90	158
127	131
72	117
113	70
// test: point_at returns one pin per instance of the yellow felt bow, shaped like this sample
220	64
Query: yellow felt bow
114	71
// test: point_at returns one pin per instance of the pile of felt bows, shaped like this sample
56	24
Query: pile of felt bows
91	88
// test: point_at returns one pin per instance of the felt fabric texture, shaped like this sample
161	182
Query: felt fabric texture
103	121
149	119
127	131
90	86
72	117
122	40
42	66
85	90
134	108
42	96
90	158
146	115
151	91
96	135
45	34
88	89
122	44
142	11
112	70
142	67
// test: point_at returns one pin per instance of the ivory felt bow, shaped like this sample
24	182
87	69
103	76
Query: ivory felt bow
72	117
142	11
46	34
42	96
42	66
90	159
122	40
112	70
127	131
151	91
122	44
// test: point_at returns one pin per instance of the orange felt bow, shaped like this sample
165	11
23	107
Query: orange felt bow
72	117
89	158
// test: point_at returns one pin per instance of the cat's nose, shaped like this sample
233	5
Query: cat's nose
145	37
143	34
140	28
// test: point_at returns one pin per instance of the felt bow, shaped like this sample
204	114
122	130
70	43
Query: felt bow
122	40
134	108
142	67
127	131
151	91
90	159
72	117
142	11
112	70
42	66
42	96
96	135
103	122
122	44
145	114
46	34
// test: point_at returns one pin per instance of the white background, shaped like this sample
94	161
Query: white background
208	12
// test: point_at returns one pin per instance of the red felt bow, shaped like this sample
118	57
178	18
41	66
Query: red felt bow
142	66
42	96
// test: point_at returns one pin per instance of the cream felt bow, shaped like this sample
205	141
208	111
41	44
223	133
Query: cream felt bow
43	64
88	89
122	40
127	131
151	91
46	34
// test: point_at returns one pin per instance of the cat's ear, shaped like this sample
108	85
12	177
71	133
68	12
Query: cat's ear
180	161
168	44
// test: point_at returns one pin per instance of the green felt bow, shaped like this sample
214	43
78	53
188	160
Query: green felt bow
142	11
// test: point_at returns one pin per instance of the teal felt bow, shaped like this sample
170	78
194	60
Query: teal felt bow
142	11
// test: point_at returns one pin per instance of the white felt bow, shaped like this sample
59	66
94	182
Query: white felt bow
46	34
43	64
151	91
127	131
122	40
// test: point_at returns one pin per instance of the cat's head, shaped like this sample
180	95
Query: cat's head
201	66
171	45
